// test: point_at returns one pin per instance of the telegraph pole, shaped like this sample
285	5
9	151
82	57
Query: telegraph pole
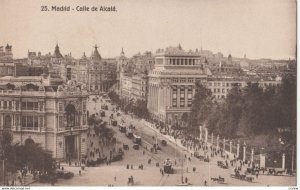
293	158
3	166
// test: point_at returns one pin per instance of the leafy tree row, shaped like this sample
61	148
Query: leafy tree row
248	111
138	108
18	156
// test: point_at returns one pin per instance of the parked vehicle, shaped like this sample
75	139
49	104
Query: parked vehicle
137	139
122	128
129	132
136	146
168	166
114	122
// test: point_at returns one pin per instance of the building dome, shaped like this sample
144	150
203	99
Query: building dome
57	53
96	55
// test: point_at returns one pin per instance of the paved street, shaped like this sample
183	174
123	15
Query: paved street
104	175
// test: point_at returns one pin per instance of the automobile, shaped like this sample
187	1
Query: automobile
200	157
125	147
121	151
129	132
137	139
68	175
164	142
64	174
168	166
122	128
117	157
136	146
114	122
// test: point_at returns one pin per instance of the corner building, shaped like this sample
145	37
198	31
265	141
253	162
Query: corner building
53	116
172	84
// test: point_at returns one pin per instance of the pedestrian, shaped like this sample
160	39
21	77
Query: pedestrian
115	178
256	175
186	180
79	172
205	183
131	166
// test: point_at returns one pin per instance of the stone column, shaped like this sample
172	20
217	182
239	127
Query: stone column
237	150
185	96
217	142
206	135
230	146
283	161
178	96
252	155
224	141
212	138
262	160
244	152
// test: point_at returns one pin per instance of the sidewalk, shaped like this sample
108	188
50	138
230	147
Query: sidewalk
178	143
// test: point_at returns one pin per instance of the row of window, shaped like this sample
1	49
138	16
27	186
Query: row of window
182	97
31	122
24	105
218	90
183	80
219	96
70	122
182	61
227	84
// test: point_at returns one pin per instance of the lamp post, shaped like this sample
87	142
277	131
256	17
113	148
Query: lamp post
3	166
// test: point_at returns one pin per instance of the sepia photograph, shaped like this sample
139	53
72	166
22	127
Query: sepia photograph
126	93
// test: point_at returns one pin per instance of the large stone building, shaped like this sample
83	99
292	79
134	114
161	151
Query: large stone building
132	75
172	83
97	73
139	89
101	73
36	110
221	85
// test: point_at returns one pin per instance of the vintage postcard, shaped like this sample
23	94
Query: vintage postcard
117	93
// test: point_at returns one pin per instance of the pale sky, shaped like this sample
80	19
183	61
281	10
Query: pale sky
259	28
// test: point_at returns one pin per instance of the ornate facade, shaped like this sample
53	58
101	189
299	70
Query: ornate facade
53	116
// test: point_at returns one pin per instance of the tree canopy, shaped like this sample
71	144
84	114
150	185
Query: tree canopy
249	111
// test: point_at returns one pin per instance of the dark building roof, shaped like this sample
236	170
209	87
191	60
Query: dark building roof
96	55
57	53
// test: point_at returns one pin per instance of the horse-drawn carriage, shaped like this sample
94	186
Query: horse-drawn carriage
218	179
222	165
200	157
243	177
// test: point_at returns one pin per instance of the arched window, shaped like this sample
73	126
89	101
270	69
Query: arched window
7	122
70	115
29	141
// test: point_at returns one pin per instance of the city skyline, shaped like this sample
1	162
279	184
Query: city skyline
137	28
